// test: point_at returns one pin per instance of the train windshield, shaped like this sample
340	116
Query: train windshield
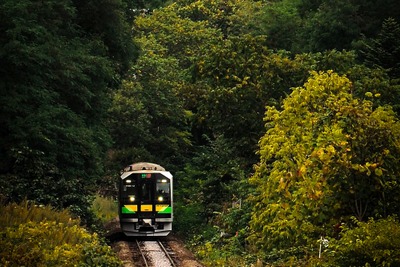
163	186
129	187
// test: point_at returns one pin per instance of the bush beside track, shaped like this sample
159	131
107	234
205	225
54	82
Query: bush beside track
40	236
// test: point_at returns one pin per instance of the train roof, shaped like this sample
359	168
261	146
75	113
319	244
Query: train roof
144	167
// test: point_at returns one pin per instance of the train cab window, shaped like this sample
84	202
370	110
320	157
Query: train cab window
163	189
163	186
129	191
129	186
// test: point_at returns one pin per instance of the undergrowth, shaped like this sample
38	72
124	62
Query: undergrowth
32	235
105	208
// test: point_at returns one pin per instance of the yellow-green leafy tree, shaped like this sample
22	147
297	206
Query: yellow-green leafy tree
326	156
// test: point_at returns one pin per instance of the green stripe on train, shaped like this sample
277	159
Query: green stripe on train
167	210
125	210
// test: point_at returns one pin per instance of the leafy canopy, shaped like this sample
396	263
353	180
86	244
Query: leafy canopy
56	68
325	156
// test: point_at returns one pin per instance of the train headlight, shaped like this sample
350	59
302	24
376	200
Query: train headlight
132	198
128	181
160	199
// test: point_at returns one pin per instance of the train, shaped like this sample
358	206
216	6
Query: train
145	200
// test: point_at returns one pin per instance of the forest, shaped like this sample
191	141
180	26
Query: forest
279	120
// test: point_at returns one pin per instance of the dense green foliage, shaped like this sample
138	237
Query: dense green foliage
304	25
195	102
384	51
371	243
214	82
105	208
219	60
40	236
57	65
326	156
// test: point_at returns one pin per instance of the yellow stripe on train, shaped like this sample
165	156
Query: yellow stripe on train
129	209
146	208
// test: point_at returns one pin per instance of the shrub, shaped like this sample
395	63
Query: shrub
372	243
15	214
27	238
188	219
105	208
222	251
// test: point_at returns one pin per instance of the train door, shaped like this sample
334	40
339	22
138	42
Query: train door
146	193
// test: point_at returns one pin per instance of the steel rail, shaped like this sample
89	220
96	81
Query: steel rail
142	254
166	253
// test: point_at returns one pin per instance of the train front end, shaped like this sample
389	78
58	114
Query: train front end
145	200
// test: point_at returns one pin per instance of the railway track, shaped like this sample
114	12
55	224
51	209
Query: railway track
152	254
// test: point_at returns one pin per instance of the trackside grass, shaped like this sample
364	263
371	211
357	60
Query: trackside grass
105	208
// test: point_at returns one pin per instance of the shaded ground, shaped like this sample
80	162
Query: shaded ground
119	243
